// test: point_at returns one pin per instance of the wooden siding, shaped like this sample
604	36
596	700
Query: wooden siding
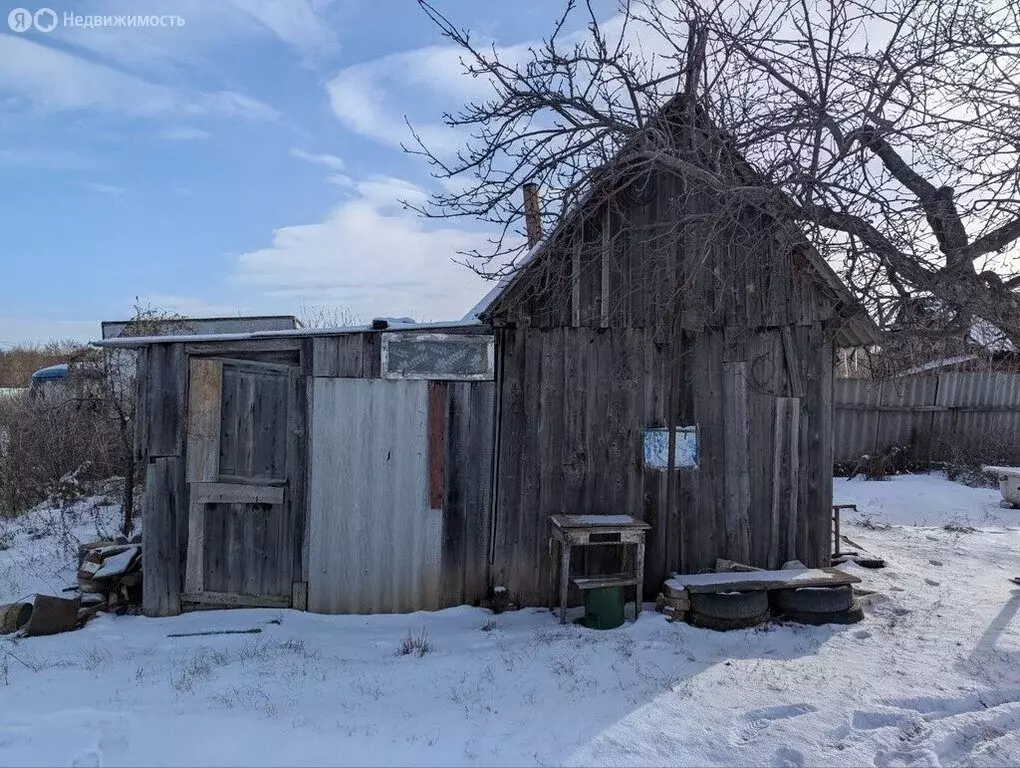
573	404
628	266
467	491
164	533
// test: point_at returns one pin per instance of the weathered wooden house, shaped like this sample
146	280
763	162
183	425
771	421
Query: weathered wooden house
641	362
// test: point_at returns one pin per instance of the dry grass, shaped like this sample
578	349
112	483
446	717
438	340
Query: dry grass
415	645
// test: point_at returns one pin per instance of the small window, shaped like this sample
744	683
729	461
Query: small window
437	356
656	447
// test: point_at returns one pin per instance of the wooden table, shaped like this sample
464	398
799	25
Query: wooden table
571	531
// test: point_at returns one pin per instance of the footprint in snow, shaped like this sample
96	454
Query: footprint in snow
758	721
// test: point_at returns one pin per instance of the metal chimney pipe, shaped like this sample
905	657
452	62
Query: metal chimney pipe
532	214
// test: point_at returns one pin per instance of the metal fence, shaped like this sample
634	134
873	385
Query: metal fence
934	415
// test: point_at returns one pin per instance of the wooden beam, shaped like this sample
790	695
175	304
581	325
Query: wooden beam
229	598
236	493
194	568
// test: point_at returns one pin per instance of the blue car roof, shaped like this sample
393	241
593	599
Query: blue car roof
58	371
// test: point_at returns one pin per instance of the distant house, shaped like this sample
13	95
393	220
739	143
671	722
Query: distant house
399	467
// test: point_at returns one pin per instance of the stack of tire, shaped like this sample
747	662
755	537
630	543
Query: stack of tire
817	605
722	611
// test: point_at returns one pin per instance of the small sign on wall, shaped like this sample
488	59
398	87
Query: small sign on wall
655	441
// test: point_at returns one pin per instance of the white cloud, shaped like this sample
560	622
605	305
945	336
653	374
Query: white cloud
209	26
372	256
43	80
295	22
331	162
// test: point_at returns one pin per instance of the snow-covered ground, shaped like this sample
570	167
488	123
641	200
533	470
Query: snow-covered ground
932	676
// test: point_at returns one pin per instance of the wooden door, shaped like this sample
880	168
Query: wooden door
241	472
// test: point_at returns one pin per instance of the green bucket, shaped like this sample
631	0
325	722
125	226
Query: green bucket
603	608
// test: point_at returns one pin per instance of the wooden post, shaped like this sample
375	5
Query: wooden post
564	579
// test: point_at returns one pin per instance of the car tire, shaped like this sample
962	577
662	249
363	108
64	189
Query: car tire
813	599
724	625
850	616
730	605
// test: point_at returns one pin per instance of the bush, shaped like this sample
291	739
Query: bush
56	451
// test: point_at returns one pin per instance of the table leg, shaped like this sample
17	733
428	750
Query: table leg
639	567
564	579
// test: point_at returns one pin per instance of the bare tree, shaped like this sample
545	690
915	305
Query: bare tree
888	131
329	316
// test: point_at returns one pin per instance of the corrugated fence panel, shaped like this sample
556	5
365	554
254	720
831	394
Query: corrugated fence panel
901	424
855	427
374	544
966	391
934	415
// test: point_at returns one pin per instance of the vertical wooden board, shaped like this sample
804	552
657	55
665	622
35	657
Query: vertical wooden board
205	389
549	459
793	505
350	355
479	483
325	356
437	418
141	437
530	531
702	545
512	425
297	472
737	469
820	509
779	473
164	502
814	511
166	400
605	259
371	355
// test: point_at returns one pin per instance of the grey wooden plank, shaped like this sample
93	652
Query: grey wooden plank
236	493
141	421
737	462
205	389
240	600
164	502
166	402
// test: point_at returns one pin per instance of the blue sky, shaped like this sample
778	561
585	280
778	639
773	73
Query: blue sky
245	162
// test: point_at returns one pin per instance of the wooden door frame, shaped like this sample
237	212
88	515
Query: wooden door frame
205	485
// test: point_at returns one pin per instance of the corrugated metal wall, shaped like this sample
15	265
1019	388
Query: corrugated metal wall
929	413
374	544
